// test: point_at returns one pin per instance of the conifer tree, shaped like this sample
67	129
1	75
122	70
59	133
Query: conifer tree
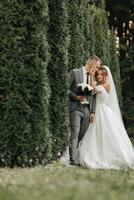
100	33
77	39
58	75
24	89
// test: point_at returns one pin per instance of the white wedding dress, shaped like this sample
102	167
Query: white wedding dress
106	144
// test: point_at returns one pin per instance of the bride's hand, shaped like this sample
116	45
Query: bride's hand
92	117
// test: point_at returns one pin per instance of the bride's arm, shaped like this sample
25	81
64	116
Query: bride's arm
92	83
106	86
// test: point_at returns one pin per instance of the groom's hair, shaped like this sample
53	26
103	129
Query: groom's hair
93	58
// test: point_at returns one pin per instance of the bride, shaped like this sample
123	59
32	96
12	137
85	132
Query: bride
106	144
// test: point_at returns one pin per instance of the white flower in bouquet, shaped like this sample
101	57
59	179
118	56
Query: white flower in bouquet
84	89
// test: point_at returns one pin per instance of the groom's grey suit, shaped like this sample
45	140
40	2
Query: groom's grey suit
79	113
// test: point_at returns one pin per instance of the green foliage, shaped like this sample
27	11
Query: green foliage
128	90
24	120
89	32
100	33
127	72
58	76
98	3
77	39
115	67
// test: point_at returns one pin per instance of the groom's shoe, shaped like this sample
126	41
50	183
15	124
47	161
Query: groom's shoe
73	163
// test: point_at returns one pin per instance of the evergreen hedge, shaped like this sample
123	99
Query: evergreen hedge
77	39
24	121
89	33
58	75
99	33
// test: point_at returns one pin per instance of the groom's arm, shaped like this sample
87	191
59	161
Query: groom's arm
92	111
72	85
93	107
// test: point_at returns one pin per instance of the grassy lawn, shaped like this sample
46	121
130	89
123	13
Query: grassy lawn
58	182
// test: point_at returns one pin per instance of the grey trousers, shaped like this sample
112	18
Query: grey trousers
79	122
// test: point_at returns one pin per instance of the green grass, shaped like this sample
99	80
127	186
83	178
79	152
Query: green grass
58	182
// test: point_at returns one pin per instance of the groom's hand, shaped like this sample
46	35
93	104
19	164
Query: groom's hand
80	98
92	117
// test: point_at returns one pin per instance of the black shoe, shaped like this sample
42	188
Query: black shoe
77	164
73	163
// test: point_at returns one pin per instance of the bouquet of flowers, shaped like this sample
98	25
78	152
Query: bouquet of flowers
84	89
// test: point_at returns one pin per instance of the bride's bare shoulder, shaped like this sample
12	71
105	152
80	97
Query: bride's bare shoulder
106	86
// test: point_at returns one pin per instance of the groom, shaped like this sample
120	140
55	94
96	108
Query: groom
82	109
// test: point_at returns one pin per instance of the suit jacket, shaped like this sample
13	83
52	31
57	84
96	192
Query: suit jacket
76	77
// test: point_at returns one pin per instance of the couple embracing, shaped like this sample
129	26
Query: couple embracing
98	138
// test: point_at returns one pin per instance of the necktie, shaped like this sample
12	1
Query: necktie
87	78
